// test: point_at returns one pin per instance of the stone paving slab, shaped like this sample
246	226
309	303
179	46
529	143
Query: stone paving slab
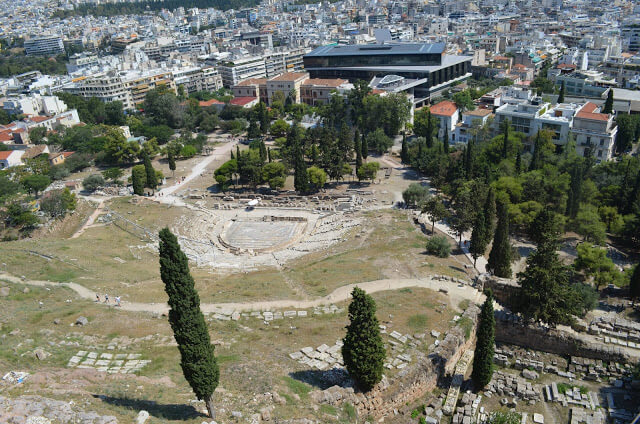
106	362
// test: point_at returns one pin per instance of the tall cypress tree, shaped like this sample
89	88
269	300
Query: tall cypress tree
483	358
633	196
365	147
404	153
505	137
300	177
575	190
269	154
608	104
518	164
358	148
363	350
172	161
237	151
152	181
499	263
445	141
561	95
479	237
138	179
537	154
263	151
490	214
430	130
198	362
468	160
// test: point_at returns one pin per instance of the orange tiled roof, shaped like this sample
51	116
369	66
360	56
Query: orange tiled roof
5	154
588	111
251	81
210	103
324	82
290	76
444	108
241	101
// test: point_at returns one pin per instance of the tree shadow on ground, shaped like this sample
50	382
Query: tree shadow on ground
323	379
525	251
171	412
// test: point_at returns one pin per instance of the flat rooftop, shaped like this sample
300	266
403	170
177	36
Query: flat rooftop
378	49
447	60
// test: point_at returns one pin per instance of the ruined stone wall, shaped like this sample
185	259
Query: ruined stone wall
412	382
504	290
560	342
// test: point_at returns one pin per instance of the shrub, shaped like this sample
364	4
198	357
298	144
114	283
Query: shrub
439	246
93	182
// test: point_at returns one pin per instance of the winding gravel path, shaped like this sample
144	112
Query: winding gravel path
454	291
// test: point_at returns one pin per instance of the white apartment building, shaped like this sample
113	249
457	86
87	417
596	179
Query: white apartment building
235	70
197	79
34	105
46	45
107	87
595	130
521	116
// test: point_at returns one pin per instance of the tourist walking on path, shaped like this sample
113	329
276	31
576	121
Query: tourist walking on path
117	300
106	298
97	297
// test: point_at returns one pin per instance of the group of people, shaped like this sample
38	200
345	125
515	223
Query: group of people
106	299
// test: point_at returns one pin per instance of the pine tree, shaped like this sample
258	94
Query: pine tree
518	164
363	350
138	178
478	237
499	263
608	104
634	284
485	337
365	147
358	148
152	181
404	153
561	95
172	162
445	141
254	130
198	362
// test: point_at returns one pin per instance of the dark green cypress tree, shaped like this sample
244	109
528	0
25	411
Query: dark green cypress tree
499	263
633	196
300	177
634	283
608	104
152	181
430	130
172	161
490	214
575	190
445	141
363	350
561	95
518	164
485	338
263	151
479	237
404	153
138	179
468	160
237	151
505	137
232	156
269	154
365	147
198	362
537	154
358	148
254	129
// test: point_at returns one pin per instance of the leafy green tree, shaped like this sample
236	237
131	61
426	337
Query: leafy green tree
425	125
595	264
210	122
463	100
379	141
561	94
626	132
588	224
438	246
150	173
317	177
485	339
263	116
254	129
117	149
198	362
499	263
436	210
112	174
415	195
35	183
608	104
93	182
368	171
547	225
57	202
17	215
363	350
279	128
114	113
37	135
188	151
138	179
